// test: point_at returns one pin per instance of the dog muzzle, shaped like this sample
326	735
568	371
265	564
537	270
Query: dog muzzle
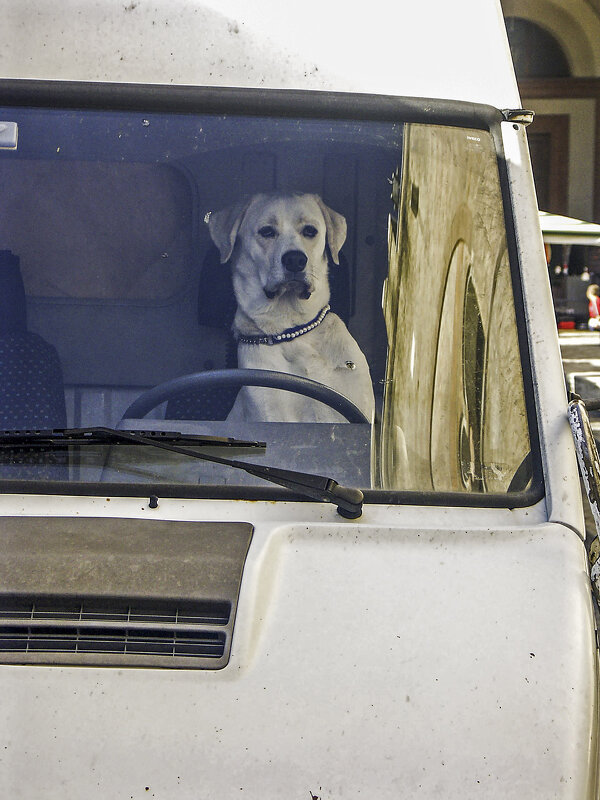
300	288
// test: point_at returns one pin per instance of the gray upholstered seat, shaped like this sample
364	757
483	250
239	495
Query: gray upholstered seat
31	384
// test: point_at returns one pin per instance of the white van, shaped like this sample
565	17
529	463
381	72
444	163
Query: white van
386	606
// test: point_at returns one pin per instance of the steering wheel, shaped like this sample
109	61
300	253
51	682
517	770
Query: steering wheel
244	377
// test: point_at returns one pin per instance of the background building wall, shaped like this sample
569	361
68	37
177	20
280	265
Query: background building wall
556	49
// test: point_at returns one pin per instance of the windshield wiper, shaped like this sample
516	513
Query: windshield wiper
100	435
349	501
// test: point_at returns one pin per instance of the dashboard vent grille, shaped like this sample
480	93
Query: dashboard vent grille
112	592
100	628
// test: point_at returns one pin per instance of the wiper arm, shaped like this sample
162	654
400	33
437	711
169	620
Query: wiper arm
318	487
349	501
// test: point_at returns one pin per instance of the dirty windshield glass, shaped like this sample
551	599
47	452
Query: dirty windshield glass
339	290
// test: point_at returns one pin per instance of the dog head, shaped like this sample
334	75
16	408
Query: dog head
279	241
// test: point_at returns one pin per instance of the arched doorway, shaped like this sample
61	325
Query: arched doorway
537	53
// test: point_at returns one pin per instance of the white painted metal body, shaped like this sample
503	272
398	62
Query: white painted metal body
463	662
416	652
322	46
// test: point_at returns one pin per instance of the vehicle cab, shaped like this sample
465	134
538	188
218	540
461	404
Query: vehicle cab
197	604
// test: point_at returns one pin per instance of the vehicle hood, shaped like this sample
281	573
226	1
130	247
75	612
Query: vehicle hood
365	662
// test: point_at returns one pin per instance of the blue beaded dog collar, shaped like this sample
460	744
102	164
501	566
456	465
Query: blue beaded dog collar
288	333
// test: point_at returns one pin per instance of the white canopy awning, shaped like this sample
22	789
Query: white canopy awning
567	230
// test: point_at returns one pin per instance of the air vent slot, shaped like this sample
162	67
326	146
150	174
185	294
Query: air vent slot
108	626
102	609
73	639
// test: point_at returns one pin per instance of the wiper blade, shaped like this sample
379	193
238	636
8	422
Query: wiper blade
100	435
349	501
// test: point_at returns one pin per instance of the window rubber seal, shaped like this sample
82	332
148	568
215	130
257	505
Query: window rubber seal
302	104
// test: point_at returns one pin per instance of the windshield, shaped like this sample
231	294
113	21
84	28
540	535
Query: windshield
195	252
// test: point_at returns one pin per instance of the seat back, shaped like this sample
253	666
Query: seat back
31	385
216	309
32	392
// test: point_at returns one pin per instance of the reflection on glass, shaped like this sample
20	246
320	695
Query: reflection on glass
454	414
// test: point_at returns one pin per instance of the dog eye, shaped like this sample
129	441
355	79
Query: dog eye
267	232
309	231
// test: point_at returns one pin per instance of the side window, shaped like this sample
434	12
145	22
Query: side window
454	415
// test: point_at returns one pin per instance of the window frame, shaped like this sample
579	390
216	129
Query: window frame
299	104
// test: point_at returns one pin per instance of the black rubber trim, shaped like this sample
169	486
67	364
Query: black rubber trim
267	493
246	102
306	105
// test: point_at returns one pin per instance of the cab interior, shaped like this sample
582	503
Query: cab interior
111	284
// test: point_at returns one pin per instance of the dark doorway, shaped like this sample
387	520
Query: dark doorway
549	147
535	51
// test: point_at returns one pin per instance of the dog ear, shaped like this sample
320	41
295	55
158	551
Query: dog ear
223	227
336	227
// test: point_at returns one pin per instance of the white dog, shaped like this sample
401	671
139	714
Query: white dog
277	245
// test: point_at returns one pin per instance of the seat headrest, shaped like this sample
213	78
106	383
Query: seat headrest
216	300
13	316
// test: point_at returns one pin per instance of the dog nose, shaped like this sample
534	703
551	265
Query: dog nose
294	260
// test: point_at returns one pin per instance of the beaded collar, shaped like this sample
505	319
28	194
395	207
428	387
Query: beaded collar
288	333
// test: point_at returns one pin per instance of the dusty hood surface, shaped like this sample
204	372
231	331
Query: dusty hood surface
428	49
365	663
